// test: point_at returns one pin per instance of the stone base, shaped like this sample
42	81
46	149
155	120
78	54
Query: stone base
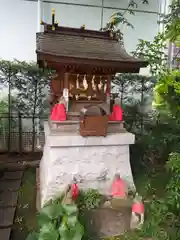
109	222
92	160
38	198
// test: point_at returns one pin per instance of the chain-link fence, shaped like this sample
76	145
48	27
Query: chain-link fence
21	134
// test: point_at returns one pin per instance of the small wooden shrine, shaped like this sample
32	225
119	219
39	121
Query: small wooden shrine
84	60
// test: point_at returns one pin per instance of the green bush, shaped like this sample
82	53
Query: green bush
58	221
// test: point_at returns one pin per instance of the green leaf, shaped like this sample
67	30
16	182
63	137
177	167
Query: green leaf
72	221
42	219
70	209
32	236
73	233
48	232
79	232
64	232
52	211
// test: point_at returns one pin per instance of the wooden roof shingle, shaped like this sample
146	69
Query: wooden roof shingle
96	48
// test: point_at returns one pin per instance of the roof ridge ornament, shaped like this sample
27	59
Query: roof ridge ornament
54	23
83	26
53	19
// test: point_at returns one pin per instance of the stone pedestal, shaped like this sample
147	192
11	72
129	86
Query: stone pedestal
92	160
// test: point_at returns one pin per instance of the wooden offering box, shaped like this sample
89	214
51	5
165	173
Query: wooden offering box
94	121
94	126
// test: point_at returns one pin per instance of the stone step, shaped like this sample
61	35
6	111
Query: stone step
21	166
1	174
12	175
7	217
8	199
5	233
8	185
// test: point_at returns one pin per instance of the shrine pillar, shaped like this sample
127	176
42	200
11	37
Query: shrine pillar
66	89
108	91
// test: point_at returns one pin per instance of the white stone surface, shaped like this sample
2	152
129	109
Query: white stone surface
92	160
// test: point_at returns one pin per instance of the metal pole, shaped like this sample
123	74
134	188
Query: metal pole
39	14
9	110
97	6
102	13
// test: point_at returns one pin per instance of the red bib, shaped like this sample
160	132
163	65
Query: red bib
58	112
138	208
117	113
118	188
75	191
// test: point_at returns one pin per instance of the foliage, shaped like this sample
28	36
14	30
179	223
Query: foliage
133	87
86	202
119	18
56	221
160	137
3	107
157	131
162	215
167	92
173	188
4	117
3	110
8	72
31	84
90	199
172	22
154	52
26	85
135	92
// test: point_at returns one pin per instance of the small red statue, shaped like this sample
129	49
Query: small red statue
117	113
74	189
58	112
137	217
119	187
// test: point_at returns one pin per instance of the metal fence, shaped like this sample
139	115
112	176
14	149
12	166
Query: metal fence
21	134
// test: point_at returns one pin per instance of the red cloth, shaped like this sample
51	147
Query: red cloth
138	208
118	188
58	112
75	191
117	113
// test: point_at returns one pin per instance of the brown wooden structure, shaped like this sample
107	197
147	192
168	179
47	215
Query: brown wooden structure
84	60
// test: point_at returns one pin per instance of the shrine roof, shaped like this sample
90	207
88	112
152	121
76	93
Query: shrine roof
81	46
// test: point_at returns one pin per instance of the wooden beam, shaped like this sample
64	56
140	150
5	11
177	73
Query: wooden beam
66	80
110	67
108	91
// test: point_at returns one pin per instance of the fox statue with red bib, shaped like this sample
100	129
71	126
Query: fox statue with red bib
58	112
117	113
137	217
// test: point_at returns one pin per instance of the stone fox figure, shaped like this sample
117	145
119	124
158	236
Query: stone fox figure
119	188
58	112
119	192
137	217
117	113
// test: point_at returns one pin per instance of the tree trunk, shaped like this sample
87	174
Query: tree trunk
33	117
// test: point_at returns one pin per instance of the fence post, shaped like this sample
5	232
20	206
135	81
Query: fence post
33	134
20	133
142	104
9	129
